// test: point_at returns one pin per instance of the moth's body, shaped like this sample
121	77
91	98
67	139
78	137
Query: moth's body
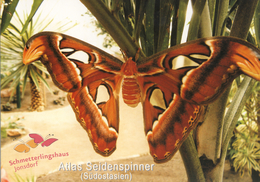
130	88
183	92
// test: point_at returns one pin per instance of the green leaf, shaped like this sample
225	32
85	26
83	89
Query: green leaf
24	82
212	8
139	15
9	78
241	25
128	16
257	24
33	75
195	19
191	161
23	71
178	21
149	28
35	6
164	18
221	10
41	67
47	24
14	84
113	27
235	109
8	14
44	81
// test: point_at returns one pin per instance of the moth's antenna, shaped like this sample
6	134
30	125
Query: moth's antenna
136	55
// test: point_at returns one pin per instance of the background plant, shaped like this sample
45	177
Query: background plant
156	25
13	40
18	178
12	122
244	150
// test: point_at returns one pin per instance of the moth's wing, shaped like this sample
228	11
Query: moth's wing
229	58
219	59
101	119
167	130
82	78
184	91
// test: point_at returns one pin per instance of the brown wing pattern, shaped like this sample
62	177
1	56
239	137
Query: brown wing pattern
186	90
227	58
82	78
169	117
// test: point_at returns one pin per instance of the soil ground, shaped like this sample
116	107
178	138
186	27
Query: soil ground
60	121
49	99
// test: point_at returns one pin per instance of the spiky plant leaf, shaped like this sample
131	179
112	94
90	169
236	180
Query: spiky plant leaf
8	12
13	43
35	6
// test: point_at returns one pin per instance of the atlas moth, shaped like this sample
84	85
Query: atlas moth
185	90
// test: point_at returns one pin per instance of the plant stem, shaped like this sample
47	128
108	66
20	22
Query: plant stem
234	111
113	26
18	96
241	25
240	29
195	19
220	15
191	160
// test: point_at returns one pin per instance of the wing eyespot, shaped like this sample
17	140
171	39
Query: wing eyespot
155	157
184	132
106	151
83	122
191	121
177	143
167	155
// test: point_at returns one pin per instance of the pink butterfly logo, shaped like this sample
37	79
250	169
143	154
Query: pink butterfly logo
33	143
44	142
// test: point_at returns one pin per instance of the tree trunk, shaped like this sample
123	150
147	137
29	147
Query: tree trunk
37	103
